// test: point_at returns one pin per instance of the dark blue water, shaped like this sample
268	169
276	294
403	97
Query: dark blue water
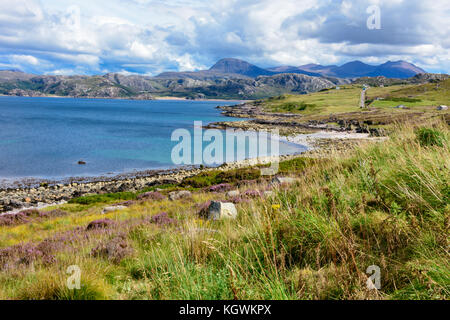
46	137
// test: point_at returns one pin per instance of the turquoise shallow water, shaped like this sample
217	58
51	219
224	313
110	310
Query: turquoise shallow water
46	137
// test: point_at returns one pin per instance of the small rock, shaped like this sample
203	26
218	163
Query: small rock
127	204
112	209
222	210
233	193
283	180
176	195
100	224
268	193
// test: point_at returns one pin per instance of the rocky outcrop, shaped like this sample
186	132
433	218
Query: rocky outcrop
177	195
222	210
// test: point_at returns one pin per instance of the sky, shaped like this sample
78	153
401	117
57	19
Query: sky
152	36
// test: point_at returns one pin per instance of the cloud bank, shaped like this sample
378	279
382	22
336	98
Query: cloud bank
151	36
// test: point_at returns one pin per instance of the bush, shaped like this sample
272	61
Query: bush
115	249
236	175
430	137
211	178
100	224
102	198
295	165
296	106
202	180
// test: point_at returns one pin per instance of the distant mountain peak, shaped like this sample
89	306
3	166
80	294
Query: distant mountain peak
237	66
355	69
12	70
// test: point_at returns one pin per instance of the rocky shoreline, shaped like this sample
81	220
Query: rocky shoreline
38	194
290	124
52	193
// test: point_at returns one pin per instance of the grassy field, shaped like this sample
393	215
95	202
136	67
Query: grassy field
385	204
413	96
423	98
326	102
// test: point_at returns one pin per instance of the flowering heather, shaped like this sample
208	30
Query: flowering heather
13	219
115	249
251	194
162	219
27	216
153	195
100	224
246	182
28	253
223	187
238	199
52	214
30	213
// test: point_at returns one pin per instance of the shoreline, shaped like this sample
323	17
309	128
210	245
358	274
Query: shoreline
38	196
154	98
37	193
12	200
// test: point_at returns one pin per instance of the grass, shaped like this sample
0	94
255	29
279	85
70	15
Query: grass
332	104
413	96
384	204
331	101
430	137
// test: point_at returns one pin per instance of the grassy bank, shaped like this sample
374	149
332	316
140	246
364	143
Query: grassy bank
384	204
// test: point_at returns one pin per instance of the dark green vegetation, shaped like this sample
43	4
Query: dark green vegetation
385	204
215	177
430	137
104	198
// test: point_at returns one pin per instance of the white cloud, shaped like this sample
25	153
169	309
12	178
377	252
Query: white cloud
150	36
24	59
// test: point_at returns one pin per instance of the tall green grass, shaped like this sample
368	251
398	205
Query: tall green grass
384	204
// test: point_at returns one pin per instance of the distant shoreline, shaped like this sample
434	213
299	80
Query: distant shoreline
155	98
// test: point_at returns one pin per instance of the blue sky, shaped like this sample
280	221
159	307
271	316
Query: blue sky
152	36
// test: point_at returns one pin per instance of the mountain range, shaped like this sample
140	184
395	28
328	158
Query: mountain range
354	69
227	79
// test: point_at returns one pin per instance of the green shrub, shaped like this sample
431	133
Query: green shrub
101	198
206	179
295	165
296	106
238	175
201	180
430	137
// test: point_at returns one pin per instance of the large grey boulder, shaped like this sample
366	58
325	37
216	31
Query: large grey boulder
177	195
222	210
